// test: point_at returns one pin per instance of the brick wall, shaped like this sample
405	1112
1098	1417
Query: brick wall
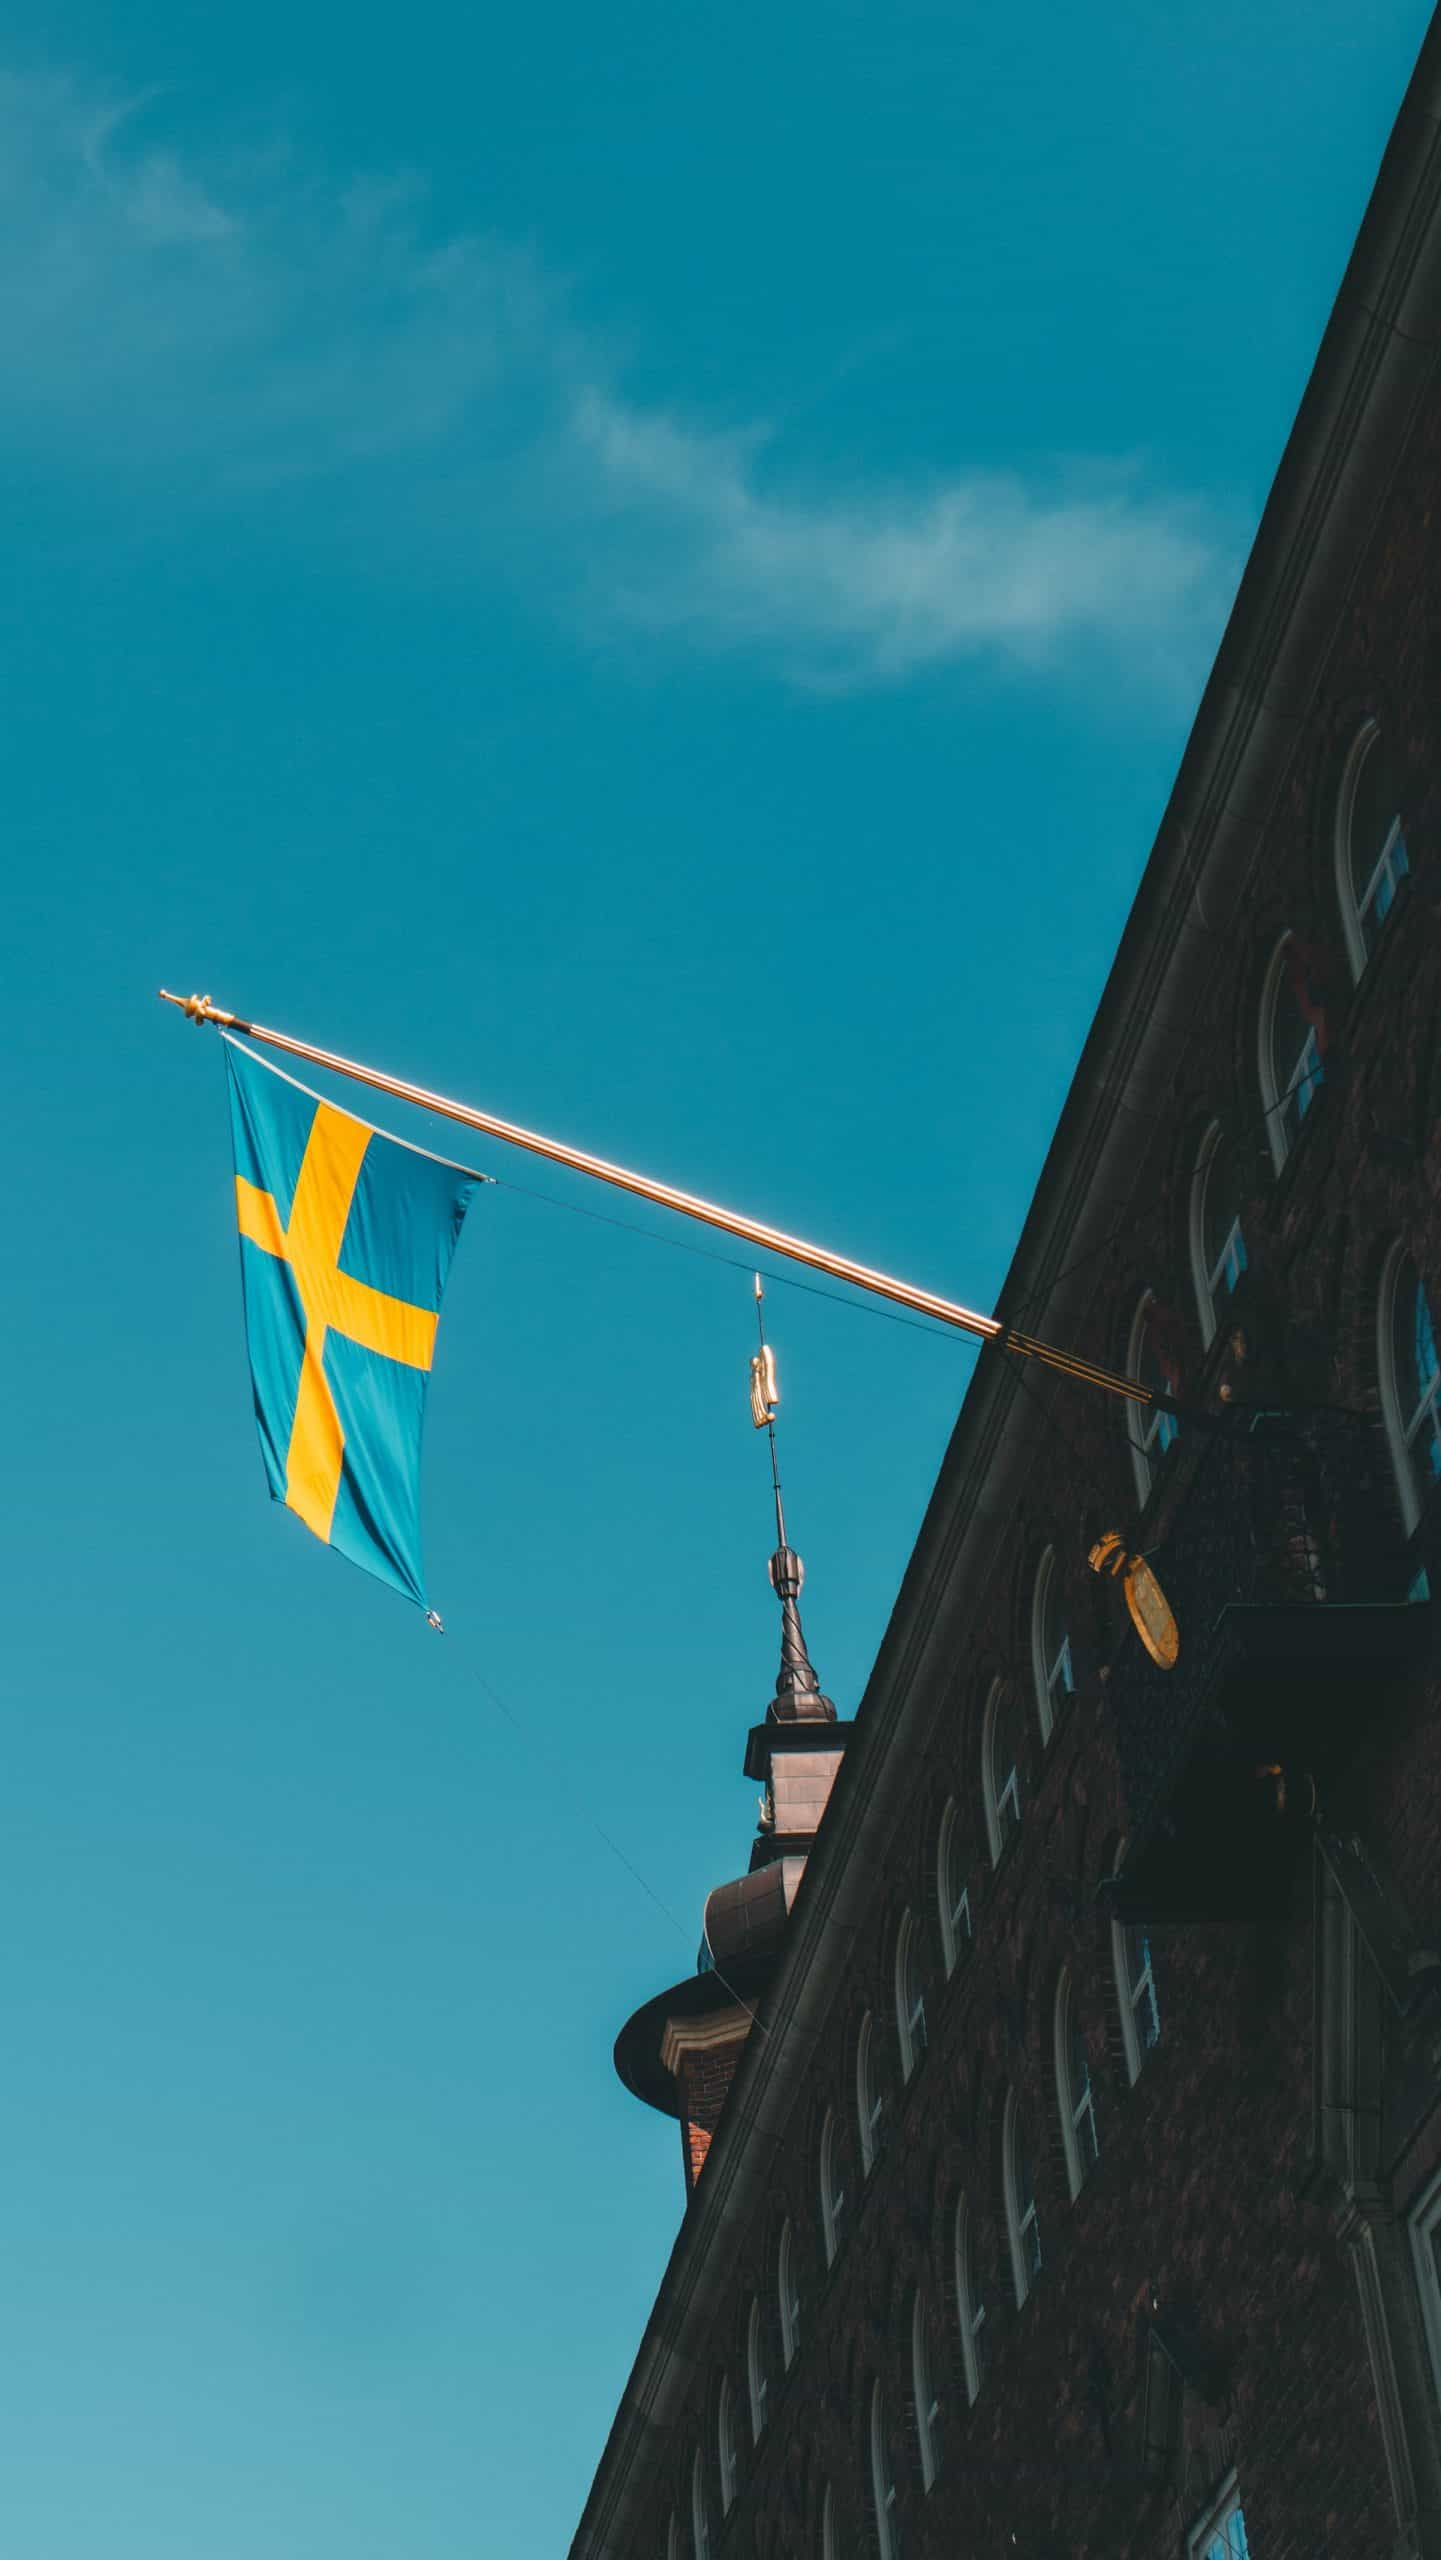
1204	2212
704	2081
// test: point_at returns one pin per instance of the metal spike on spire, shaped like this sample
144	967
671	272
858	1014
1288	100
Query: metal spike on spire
798	1697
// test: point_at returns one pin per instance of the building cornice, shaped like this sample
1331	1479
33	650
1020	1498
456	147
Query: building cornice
1377	360
685	2036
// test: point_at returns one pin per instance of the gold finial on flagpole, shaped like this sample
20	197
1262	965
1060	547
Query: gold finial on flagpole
199	1009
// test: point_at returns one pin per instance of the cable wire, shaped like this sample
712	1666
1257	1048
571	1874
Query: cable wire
858	1305
552	1761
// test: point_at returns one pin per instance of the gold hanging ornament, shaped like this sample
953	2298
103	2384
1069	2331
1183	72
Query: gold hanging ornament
1151	1613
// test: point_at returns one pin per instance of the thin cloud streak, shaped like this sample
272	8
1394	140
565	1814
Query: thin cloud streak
232	329
890	583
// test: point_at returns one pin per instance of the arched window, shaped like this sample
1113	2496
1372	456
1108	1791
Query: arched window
870	2105
1135	1987
910	1998
833	2194
1218	1248
1050	1646
1221	2532
1152	1358
725	2436
1410	1381
883	2480
928	2407
1291	1044
1002	1734
953	1899
699	2508
1371	859
757	2379
788	2297
970	2304
1022	2228
1074	2095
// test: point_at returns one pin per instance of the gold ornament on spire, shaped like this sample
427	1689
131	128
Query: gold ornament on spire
765	1387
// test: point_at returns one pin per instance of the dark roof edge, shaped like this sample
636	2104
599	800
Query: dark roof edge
1377	356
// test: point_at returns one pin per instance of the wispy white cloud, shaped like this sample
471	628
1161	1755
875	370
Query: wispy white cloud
889	581
236	324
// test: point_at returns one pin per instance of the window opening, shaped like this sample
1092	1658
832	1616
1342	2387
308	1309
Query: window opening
928	2407
1135	1987
1221	2535
1425	2221
1154	1357
699	2511
1218	1247
756	2375
1050	1646
788	2294
1410	1382
870	2105
1145	2008
1004	1731
952	1892
883	2481
1372	860
970	2305
1025	2229
1293	1044
910	1998
726	2446
1073	2089
833	2194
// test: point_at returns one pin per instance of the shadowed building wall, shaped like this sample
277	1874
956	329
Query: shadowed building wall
1084	2192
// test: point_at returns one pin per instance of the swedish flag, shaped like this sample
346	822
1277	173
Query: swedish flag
346	1238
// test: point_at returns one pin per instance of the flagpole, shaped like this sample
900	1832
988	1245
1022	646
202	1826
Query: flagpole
837	1266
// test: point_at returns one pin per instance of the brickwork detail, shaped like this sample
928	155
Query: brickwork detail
702	2054
1213	2238
1202	2209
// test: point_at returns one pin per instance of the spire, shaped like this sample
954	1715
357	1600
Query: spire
679	2051
798	1698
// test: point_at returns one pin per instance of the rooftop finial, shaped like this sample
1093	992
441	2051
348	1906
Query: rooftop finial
798	1692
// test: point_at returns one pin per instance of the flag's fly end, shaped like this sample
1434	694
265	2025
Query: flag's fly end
346	1238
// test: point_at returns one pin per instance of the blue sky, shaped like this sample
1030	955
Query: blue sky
651	572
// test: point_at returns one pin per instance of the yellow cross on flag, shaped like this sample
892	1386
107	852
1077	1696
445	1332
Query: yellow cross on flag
346	1241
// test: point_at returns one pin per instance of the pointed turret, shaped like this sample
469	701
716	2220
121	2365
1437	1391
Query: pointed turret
798	1698
680	2051
797	1750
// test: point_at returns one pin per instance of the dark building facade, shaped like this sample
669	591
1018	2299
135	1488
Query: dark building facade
1082	2194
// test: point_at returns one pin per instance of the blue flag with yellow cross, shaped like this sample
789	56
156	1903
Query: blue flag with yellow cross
346	1239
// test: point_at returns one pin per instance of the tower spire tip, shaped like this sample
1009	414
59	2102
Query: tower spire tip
798	1697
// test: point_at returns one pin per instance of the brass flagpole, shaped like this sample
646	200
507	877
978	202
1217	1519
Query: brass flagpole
730	1222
